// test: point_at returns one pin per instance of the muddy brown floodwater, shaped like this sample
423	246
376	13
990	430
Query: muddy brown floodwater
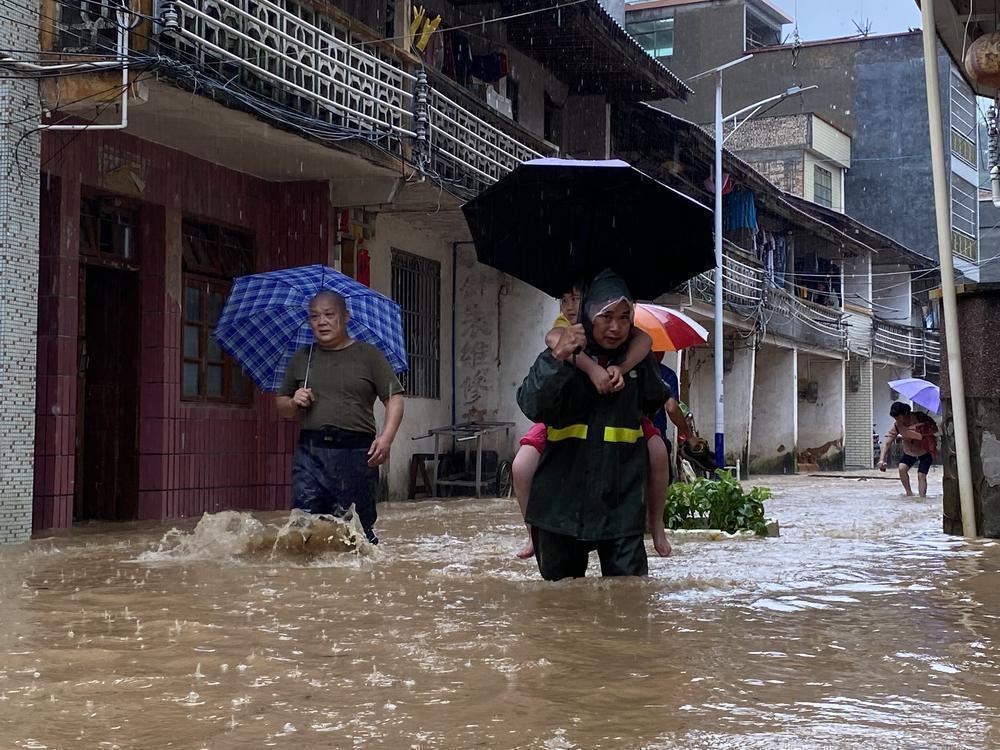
861	626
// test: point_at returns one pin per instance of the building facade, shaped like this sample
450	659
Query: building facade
864	84
233	137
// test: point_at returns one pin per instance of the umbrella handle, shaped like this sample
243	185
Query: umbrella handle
305	383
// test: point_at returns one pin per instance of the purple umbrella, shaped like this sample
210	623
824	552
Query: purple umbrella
920	392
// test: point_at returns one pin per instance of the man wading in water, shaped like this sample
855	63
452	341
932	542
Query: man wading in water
588	490
333	386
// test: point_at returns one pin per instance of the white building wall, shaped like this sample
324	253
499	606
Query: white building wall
775	412
526	315
821	421
421	413
830	143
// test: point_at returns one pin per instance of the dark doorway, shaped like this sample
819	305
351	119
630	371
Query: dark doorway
107	407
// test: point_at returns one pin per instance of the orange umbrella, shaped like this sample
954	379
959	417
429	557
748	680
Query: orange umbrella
670	330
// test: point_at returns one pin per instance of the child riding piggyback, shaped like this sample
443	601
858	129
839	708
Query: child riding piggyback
606	378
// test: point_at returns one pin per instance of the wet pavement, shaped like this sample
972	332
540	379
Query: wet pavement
860	626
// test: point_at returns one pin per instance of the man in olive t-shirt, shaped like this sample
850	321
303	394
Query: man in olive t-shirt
333	385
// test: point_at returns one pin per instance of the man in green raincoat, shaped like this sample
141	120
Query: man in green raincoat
588	491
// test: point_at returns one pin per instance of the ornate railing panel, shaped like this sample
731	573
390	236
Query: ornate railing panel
287	52
84	26
466	149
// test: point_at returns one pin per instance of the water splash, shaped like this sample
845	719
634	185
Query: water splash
235	536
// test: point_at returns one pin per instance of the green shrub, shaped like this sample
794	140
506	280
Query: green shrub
716	504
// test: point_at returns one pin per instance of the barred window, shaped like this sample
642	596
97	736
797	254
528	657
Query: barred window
964	204
963	148
963	107
213	257
963	245
108	230
822	186
416	286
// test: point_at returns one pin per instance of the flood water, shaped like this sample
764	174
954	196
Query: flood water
861	626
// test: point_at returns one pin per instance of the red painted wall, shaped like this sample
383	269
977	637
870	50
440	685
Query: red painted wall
192	457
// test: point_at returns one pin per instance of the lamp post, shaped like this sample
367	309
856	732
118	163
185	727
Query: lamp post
750	111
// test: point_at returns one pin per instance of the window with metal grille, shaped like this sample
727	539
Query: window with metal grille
108	229
759	32
822	186
213	257
963	245
416	286
963	148
963	108
964	205
656	37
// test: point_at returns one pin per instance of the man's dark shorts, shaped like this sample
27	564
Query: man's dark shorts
561	556
924	462
330	472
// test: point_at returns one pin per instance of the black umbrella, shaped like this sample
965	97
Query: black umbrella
554	221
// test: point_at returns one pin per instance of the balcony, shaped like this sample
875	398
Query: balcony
306	71
747	291
916	347
474	151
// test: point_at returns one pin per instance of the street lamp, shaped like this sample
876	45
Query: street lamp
750	111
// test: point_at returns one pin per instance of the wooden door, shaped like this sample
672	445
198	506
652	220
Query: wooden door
107	440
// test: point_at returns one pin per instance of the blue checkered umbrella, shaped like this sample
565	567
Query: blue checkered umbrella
266	320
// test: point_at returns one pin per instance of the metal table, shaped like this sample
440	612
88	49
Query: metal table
464	433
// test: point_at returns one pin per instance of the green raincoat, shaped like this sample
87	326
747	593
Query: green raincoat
591	479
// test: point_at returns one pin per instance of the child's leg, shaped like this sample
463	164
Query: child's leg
522	473
922	484
659	472
904	477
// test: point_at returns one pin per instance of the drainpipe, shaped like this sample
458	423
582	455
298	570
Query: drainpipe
942	208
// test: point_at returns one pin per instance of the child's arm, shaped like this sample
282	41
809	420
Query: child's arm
597	374
552	337
639	346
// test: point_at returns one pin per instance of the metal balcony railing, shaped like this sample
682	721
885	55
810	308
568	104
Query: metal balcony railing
919	347
291	53
810	322
746	290
287	52
742	282
932	351
467	148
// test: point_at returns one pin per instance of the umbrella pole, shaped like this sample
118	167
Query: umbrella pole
305	383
